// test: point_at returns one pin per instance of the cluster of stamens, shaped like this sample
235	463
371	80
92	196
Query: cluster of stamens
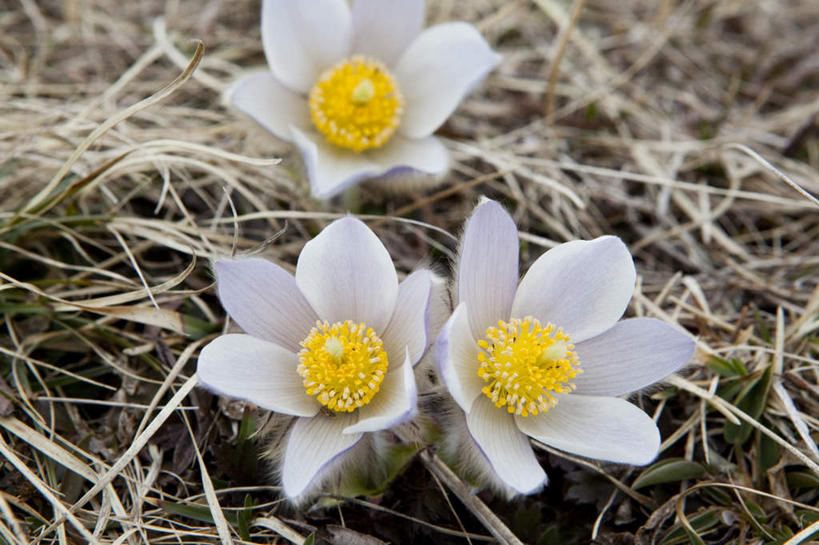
342	364
356	104
524	363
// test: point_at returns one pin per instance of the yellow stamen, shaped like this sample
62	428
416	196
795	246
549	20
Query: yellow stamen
524	363
342	364
356	104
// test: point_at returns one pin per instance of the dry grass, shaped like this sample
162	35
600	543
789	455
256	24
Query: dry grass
682	127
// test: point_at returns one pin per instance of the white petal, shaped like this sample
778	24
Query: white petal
302	39
346	274
427	155
506	448
488	266
583	286
312	445
437	70
331	169
384	28
394	403
604	428
264	300
269	103
409	325
457	353
631	355
263	373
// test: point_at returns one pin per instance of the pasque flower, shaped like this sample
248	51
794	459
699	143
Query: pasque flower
548	358
333	346
360	91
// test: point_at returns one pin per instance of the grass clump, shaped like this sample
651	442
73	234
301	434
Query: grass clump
687	129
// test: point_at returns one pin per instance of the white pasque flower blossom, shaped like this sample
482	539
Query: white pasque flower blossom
334	346
360	90
548	358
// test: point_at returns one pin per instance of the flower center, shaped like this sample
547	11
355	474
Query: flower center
356	104
524	363
342	364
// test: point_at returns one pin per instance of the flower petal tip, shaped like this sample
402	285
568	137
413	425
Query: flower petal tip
396	403
315	448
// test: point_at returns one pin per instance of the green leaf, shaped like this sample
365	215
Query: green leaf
802	479
784	533
768	452
247	427
245	457
727	368
196	512
806	518
218	483
752	399
728	390
311	539
701	524
756	511
717	495
764	331
668	471
719	464
244	517
196	328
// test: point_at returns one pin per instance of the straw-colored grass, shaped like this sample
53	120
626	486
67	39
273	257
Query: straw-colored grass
688	128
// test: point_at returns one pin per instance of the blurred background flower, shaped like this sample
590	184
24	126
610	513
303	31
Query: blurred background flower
360	91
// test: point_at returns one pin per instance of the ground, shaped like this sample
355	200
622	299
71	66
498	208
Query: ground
687	128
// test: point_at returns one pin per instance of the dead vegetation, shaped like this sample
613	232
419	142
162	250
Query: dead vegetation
688	128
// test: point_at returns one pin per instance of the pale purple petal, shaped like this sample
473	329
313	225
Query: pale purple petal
409	326
603	428
347	274
269	103
427	155
488	266
254	370
437	70
582	286
384	28
631	355
331	169
457	353
302	39
506	448
312	445
264	300
395	403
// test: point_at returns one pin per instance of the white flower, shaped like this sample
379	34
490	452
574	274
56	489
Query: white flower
548	358
360	91
335	346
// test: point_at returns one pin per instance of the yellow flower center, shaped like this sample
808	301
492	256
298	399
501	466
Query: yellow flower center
342	364
356	104
524	363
